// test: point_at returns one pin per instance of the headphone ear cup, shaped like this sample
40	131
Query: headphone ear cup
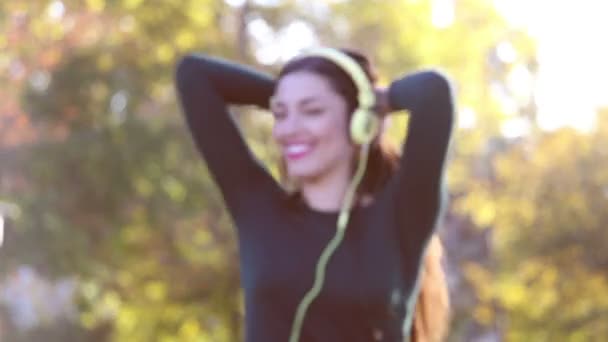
364	126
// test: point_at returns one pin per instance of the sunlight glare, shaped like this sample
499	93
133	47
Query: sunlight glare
573	73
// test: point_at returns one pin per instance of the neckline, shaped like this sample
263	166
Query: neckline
297	201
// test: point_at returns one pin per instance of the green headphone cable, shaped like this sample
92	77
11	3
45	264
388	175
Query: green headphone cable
331	247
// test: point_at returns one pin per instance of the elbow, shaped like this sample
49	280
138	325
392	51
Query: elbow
437	89
437	86
423	91
189	68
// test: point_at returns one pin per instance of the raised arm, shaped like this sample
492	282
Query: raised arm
418	184
205	86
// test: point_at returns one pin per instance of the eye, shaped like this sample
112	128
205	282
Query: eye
279	115
313	111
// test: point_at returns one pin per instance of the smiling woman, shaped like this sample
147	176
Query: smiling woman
310	127
372	282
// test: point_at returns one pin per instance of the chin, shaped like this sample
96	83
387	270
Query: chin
303	174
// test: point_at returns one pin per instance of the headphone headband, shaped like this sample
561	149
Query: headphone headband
365	96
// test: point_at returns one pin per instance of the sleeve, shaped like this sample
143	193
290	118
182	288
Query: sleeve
205	86
418	189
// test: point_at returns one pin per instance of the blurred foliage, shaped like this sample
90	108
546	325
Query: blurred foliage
546	204
94	151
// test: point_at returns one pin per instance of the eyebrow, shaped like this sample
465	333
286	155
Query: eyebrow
305	101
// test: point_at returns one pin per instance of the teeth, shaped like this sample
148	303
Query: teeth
300	148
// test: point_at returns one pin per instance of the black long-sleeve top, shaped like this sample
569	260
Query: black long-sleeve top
371	281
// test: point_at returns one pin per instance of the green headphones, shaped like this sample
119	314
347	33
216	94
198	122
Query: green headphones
364	126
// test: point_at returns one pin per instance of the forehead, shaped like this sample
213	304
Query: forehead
300	85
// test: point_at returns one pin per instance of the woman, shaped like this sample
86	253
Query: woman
372	279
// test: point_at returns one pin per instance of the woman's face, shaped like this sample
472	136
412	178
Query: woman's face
311	127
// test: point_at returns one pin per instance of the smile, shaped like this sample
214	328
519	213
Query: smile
297	151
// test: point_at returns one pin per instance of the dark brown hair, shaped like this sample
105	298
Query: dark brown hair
432	306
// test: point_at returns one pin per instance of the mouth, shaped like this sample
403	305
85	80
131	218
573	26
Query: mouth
297	151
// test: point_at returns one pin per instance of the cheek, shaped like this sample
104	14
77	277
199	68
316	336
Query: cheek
334	128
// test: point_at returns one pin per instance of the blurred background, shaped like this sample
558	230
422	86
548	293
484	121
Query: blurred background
113	231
